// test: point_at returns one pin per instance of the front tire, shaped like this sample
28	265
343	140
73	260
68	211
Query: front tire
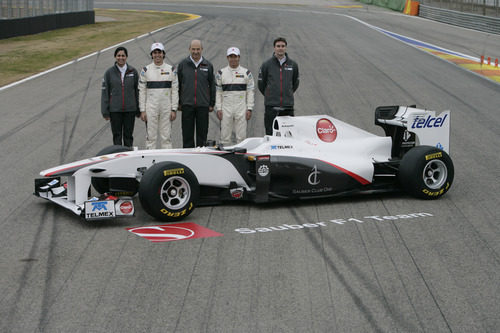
169	191
426	172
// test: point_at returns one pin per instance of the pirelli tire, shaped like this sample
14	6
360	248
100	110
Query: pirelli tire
426	172
169	191
100	184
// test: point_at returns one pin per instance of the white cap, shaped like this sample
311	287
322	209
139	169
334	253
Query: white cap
233	50
157	46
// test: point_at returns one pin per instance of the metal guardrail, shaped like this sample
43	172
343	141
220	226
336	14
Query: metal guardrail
466	20
14	9
479	7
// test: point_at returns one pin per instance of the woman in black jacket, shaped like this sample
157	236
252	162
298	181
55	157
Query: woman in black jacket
120	98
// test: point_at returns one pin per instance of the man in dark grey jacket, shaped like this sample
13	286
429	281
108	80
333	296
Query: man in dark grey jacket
278	80
196	95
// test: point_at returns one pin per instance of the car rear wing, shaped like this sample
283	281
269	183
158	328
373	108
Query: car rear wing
409	127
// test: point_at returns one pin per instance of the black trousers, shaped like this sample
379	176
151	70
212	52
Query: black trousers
194	119
271	113
122	127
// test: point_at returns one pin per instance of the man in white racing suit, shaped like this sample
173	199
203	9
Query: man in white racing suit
234	99
158	98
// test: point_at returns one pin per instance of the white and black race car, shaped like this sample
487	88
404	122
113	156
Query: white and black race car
306	157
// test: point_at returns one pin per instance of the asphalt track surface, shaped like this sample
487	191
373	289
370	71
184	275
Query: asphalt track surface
367	271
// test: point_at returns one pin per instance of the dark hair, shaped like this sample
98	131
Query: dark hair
280	39
121	48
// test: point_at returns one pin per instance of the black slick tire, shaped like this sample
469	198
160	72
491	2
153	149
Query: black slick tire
426	172
169	191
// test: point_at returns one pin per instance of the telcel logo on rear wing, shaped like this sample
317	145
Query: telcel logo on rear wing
429	121
431	130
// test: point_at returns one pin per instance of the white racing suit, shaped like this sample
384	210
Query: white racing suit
158	96
234	96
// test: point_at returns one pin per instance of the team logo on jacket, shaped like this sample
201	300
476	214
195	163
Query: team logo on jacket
326	131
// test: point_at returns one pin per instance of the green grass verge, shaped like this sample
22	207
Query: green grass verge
23	56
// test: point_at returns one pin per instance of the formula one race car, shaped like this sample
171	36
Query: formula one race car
306	157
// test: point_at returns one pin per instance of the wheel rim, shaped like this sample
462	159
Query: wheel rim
435	174
175	192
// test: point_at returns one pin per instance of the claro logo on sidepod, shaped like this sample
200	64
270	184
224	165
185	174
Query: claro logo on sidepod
326	130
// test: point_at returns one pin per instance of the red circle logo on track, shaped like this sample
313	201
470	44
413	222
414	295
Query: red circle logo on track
163	233
325	130
173	232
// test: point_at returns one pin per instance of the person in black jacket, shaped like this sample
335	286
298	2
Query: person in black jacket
278	80
196	95
120	98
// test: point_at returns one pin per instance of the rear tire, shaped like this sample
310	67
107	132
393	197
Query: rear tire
101	185
426	172
169	191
